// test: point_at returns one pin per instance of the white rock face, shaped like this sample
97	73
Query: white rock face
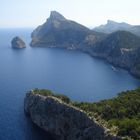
63	121
17	42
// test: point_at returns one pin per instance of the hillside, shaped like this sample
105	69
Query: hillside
135	30
120	48
122	111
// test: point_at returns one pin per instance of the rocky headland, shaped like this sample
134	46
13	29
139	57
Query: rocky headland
56	115
58	31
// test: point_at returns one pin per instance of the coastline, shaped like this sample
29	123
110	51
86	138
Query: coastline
92	54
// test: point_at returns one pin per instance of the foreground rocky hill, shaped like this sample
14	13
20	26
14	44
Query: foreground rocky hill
65	122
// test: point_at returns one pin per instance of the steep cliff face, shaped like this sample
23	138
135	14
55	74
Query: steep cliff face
63	121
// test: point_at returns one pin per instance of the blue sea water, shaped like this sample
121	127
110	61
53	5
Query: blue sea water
72	73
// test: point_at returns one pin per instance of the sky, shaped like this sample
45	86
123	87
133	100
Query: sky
91	13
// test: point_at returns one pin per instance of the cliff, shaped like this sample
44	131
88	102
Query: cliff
62	120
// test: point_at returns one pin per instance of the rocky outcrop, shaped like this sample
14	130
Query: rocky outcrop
17	42
63	121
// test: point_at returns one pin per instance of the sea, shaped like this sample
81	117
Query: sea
70	72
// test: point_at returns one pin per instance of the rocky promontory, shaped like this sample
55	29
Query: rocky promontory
58	31
61	119
17	42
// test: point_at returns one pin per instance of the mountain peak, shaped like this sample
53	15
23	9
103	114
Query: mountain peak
111	22
56	15
121	24
113	26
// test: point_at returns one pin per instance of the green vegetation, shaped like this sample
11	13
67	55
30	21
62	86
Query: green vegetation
46	92
131	40
121	113
63	98
124	39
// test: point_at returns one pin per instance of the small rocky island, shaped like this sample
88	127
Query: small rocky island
18	43
56	115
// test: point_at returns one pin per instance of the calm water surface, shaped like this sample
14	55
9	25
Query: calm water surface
73	73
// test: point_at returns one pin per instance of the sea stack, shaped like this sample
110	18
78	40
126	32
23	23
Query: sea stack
18	43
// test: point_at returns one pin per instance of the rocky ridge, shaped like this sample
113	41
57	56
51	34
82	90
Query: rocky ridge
63	121
113	26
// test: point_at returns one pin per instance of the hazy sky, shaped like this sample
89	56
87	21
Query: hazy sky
31	13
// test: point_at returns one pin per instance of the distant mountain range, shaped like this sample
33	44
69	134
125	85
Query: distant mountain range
113	26
118	43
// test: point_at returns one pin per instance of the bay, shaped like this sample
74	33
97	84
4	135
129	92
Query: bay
73	73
